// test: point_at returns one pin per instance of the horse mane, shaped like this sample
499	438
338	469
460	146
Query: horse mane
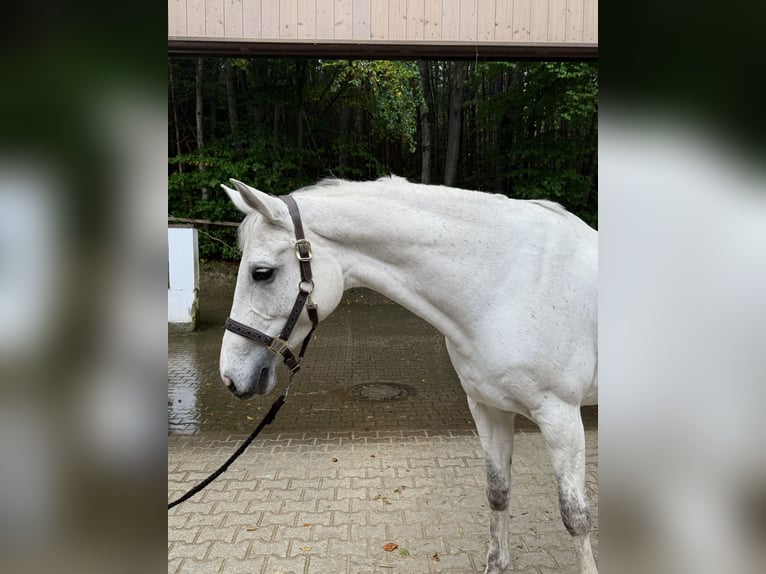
457	195
338	182
552	205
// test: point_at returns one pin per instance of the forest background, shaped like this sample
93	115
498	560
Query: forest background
523	129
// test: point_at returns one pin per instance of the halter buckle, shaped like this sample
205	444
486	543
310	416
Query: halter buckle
305	244
278	345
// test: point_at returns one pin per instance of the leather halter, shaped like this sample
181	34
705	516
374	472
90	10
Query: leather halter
278	344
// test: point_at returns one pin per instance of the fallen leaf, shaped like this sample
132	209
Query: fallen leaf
435	556
305	548
404	552
253	529
307	524
390	547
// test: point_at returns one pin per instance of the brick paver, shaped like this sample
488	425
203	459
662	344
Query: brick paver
305	503
335	478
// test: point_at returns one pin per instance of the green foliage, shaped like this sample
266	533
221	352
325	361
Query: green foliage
529	130
271	165
388	90
545	140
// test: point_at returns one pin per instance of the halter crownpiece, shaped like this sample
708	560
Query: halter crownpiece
278	345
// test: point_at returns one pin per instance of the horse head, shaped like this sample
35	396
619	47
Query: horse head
268	281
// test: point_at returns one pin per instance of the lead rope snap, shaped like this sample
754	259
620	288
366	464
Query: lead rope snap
289	384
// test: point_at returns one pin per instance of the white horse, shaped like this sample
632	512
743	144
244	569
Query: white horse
510	284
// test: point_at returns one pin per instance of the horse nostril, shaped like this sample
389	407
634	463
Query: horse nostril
227	381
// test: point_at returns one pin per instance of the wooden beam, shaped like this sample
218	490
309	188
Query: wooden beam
400	50
202	221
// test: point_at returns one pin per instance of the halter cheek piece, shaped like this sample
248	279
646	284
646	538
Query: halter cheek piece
278	345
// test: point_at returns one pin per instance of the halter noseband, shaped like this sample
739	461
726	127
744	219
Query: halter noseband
278	345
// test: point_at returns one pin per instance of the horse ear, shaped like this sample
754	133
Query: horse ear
237	200
248	199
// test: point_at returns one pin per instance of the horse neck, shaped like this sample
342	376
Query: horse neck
404	246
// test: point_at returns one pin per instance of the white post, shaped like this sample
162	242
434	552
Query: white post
183	278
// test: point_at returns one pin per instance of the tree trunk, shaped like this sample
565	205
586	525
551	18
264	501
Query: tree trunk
199	103
175	114
231	100
300	81
343	141
212	108
276	118
516	123
426	121
590	170
469	143
501	128
452	156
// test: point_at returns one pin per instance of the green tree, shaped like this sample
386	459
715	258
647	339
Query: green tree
526	129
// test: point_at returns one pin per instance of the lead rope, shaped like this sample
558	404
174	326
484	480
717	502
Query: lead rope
311	309
267	420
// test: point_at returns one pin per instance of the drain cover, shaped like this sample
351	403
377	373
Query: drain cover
382	391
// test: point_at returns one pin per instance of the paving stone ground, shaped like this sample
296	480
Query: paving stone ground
336	478
327	503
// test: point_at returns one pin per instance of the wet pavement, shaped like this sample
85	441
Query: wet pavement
367	344
338	476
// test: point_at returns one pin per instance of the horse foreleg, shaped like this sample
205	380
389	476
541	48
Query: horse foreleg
495	429
562	430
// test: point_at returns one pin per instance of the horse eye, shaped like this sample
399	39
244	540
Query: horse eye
262	274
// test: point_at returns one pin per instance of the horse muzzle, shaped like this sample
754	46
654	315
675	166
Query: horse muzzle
260	383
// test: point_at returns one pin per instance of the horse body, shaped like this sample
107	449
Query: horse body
510	284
